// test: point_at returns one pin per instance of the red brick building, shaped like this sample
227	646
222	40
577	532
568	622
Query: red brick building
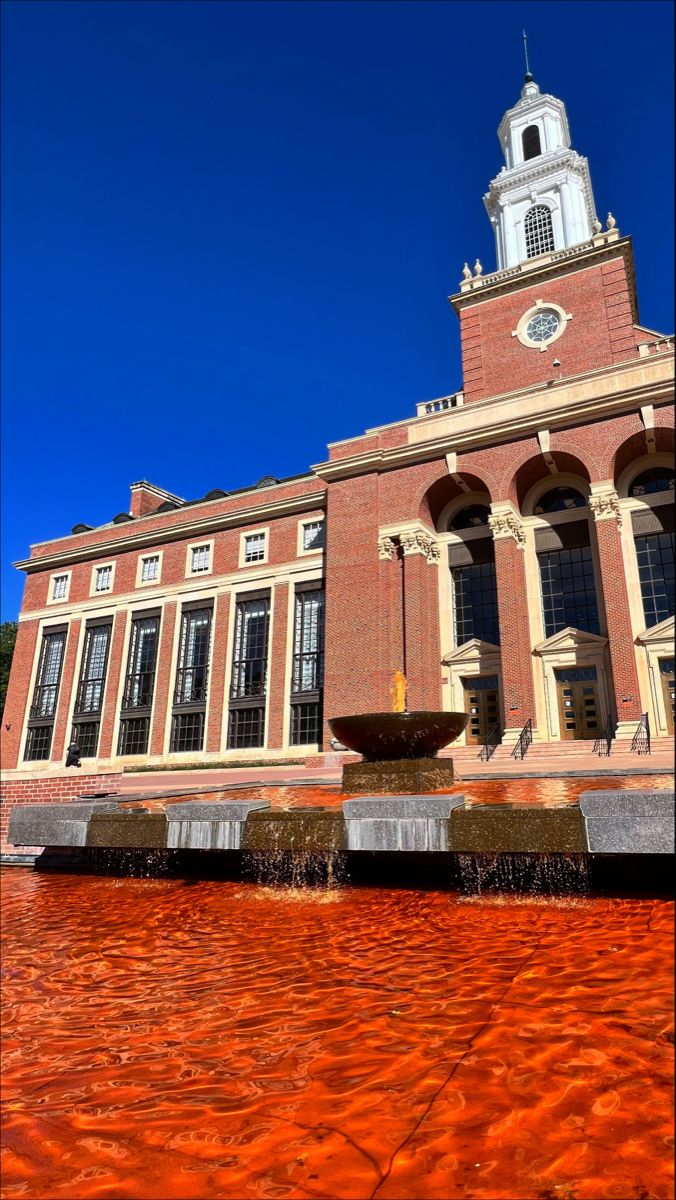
511	544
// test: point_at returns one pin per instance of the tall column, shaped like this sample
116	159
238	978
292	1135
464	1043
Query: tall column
112	689
59	738
515	645
163	677
18	699
604	504
421	615
217	673
277	659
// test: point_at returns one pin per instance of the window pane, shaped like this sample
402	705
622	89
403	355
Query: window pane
254	547
138	692
655	557
193	659
308	642
200	558
568	590
59	587
313	535
538	230
249	667
103	578
475	603
150	569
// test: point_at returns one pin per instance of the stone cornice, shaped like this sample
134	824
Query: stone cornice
525	174
140	538
515	415
559	262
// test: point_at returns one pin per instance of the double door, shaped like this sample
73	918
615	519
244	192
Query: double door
578	699
668	681
482	707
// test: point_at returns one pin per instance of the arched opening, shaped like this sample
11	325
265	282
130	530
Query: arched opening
530	140
655	479
474	661
538	230
559	499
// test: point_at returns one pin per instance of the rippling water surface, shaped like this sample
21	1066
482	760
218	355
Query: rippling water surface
167	1039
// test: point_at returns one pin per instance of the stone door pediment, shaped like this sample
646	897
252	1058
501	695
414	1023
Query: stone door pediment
570	640
663	632
471	652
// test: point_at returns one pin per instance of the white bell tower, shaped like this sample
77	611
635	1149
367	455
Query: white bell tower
542	199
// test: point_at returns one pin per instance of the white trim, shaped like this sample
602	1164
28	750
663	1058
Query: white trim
301	551
96	567
264	532
206	544
51	598
143	558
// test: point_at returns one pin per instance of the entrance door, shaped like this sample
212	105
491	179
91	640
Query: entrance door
668	686
578	696
482	706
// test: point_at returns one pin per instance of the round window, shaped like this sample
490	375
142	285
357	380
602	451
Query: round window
543	326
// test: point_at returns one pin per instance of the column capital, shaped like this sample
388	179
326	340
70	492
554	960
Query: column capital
413	537
604	502
505	522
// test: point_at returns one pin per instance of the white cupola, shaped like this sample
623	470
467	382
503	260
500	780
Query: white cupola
542	199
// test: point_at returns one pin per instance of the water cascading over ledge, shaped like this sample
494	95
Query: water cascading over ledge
622	839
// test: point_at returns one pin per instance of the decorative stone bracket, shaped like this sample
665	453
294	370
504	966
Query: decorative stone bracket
604	503
413	540
505	523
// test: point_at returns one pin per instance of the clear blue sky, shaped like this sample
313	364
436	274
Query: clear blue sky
230	228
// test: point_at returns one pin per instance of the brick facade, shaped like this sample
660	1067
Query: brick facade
525	425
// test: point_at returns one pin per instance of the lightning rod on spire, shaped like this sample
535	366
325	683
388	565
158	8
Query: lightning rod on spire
525	51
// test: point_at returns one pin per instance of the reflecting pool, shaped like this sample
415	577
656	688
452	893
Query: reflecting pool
193	1039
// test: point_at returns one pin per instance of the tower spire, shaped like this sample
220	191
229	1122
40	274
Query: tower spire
525	51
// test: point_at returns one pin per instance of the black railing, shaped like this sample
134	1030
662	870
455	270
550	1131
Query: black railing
308	672
248	678
603	743
525	739
640	743
191	685
89	695
138	690
493	739
44	701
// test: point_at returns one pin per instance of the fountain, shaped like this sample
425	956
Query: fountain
399	748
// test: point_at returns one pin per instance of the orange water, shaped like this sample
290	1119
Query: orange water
539	792
168	1039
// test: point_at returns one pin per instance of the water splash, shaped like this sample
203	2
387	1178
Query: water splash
297	869
524	874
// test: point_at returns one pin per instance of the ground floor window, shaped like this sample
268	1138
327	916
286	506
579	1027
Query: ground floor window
134	733
246	728
568	590
187	732
655	556
306	724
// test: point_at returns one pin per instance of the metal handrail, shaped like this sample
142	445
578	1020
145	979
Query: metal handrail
603	743
493	739
640	743
524	740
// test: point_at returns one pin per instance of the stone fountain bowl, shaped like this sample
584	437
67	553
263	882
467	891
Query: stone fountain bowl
384	737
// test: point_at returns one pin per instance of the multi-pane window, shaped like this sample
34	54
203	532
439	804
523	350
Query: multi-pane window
313	535
249	672
60	587
538	230
89	695
475	603
254	547
308	666
655	556
568	590
103	579
45	694
139	684
657	479
93	670
200	558
190	691
193	657
150	568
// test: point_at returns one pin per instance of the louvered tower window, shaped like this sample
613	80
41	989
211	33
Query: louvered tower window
538	230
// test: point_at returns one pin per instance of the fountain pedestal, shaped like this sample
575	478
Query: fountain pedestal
399	751
403	776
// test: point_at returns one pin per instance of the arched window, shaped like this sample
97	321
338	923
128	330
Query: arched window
657	479
531	142
469	518
539	231
558	500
